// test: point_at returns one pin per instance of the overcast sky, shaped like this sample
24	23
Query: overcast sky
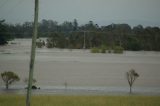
102	12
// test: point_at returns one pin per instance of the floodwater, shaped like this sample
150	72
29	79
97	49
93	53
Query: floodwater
58	69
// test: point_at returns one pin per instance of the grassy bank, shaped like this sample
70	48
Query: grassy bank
49	100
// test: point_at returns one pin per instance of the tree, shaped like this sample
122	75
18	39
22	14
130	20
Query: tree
4	35
132	75
33	80
9	77
33	83
75	25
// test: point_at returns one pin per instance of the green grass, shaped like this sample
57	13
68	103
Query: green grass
51	100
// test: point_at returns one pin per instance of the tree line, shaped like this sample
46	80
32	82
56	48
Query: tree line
72	35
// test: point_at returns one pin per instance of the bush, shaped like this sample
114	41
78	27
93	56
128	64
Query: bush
95	50
118	49
39	44
109	49
49	45
103	49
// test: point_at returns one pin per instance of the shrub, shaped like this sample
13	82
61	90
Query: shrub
39	44
109	49
95	50
103	49
49	45
118	49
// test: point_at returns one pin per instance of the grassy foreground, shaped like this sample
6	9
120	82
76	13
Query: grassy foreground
51	100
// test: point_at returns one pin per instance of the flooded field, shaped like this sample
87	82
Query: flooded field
80	69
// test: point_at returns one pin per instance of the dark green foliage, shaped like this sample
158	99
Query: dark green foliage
133	43
3	40
103	49
75	25
9	77
109	50
40	43
95	50
118	49
71	35
4	34
57	40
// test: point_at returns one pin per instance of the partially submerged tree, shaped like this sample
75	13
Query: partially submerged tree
66	85
9	77
33	82
132	75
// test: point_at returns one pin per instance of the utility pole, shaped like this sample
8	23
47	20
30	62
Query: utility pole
33	49
84	41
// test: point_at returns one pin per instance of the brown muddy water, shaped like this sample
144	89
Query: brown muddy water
59	69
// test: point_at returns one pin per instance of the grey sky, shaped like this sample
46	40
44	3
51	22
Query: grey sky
103	12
